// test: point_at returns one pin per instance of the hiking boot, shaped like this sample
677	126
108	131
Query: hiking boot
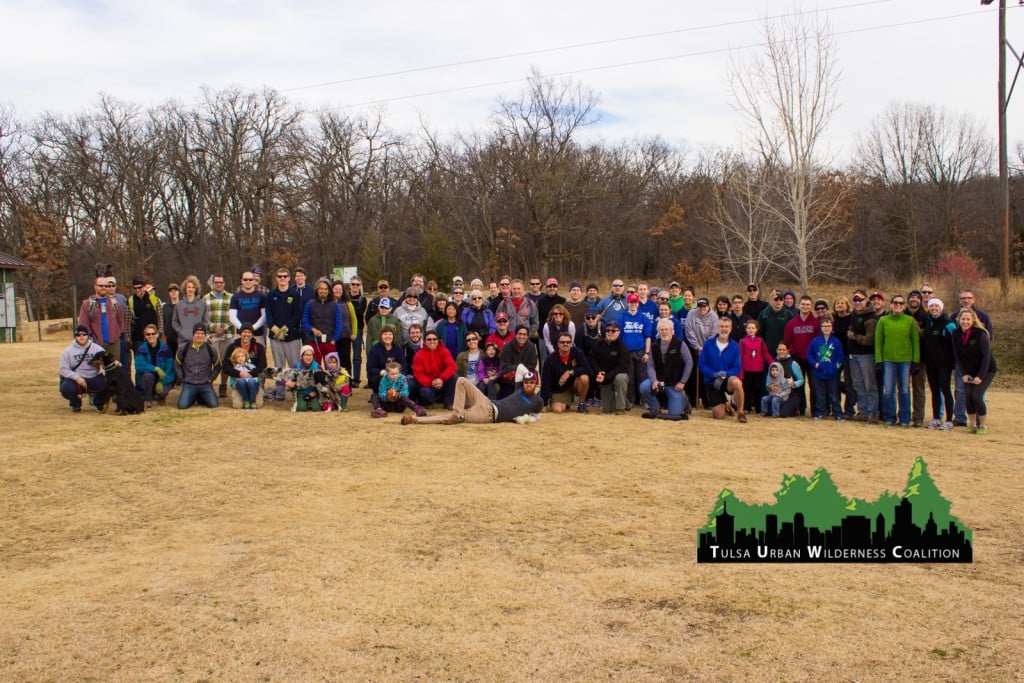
917	424
741	417
407	419
380	412
649	414
873	420
223	393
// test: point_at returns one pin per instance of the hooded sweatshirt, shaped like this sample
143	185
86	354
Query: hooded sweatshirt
777	386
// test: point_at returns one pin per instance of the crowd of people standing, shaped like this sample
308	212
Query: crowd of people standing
667	351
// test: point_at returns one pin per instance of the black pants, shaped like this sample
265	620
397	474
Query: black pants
939	383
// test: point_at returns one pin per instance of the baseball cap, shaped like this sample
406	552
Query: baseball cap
138	280
529	376
256	270
702	302
611	324
81	329
501	318
632	299
384	302
199	327
551	281
877	295
673	284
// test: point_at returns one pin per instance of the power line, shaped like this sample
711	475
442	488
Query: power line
575	46
652	60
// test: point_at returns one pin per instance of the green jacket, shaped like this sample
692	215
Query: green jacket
897	339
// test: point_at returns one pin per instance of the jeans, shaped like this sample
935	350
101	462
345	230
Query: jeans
676	399
248	388
70	390
862	371
357	359
826	397
193	393
446	393
772	405
959	400
896	377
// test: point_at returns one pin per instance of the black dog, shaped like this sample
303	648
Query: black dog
119	387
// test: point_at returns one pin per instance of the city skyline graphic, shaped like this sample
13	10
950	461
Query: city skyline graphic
811	521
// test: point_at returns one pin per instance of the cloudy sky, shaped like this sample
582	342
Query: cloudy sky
659	68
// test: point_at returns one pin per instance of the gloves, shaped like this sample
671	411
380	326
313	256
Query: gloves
159	387
914	368
274	330
282	333
160	373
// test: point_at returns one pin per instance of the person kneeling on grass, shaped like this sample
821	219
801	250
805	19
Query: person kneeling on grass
471	405
720	364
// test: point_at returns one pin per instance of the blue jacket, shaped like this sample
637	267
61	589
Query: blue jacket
712	361
144	364
826	357
285	309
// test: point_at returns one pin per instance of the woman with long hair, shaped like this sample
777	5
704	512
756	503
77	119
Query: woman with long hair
976	366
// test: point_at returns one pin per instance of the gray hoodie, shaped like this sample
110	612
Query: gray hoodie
777	386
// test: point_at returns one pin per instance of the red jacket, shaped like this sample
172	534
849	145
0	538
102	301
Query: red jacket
754	354
429	365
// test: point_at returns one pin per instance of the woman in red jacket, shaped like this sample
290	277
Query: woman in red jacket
435	371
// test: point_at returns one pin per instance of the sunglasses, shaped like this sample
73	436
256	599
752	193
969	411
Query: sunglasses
858	299
618	284
431	339
565	343
81	334
505	284
927	291
248	279
821	308
469	339
382	286
611	329
899	303
535	284
150	334
282	276
751	289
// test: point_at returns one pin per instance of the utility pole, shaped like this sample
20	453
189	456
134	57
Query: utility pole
1004	178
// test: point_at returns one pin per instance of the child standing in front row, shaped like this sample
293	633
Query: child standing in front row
825	354
755	359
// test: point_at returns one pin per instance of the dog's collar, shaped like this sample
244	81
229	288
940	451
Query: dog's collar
112	366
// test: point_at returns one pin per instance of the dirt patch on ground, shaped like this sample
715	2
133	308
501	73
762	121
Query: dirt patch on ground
224	544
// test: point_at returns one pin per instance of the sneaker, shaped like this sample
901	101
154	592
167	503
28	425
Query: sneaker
971	429
817	417
380	412
981	431
917	424
935	424
840	418
741	417
959	423
873	420
649	414
581	407
406	419
946	427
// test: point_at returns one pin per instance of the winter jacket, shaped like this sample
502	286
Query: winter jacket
430	364
937	342
555	366
146	363
825	357
973	352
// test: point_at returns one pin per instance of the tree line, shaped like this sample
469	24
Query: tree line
249	177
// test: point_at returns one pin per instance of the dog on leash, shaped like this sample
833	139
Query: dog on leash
119	387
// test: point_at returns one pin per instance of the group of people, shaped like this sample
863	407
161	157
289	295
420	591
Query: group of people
513	349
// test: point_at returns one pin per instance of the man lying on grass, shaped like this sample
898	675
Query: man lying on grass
472	405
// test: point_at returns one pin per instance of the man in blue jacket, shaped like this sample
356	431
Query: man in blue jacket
720	364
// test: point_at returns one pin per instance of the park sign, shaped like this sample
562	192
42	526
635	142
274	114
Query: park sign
811	521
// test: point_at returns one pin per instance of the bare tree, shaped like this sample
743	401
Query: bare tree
788	95
747	242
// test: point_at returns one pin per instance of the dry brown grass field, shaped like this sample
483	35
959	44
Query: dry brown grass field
229	545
